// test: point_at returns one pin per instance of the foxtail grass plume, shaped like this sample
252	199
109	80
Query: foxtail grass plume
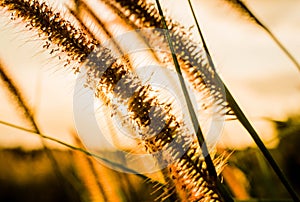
162	134
144	14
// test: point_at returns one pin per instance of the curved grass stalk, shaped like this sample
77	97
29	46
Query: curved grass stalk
210	166
72	147
84	151
190	55
28	116
108	75
148	17
245	122
242	7
247	125
17	96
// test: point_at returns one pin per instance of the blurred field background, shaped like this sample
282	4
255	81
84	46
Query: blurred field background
27	175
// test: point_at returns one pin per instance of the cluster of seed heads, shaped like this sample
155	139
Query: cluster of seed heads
162	135
51	25
159	129
194	62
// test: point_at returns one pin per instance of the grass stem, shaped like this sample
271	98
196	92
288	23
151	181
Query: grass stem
193	116
245	122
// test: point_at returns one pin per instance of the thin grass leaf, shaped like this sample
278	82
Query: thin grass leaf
243	8
224	196
245	122
84	151
192	58
75	148
247	125
28	116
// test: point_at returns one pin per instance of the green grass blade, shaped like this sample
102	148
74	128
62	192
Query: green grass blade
247	125
245	122
72	147
120	166
193	115
240	5
211	169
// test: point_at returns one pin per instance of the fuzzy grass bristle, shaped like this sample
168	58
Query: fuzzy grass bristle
190	54
159	129
57	30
